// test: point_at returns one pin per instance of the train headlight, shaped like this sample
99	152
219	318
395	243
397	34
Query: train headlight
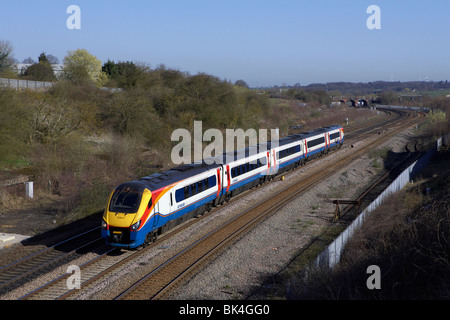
104	224
135	226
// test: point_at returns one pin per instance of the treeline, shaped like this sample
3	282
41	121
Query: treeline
85	140
375	87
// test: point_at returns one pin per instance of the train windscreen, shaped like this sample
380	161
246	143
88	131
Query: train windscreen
126	199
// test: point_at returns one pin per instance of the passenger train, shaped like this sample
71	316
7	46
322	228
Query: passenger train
141	210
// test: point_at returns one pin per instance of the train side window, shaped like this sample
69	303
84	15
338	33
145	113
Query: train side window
193	189
334	136
206	184
212	181
186	192
179	195
200	186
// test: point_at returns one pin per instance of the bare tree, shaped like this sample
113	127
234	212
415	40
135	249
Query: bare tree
6	56
52	59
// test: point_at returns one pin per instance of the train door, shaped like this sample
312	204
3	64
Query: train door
219	179
273	162
155	213
227	178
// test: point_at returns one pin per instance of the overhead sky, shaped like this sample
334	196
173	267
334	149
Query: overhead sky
264	42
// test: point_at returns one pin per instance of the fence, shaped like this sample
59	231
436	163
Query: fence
424	109
331	255
25	84
39	85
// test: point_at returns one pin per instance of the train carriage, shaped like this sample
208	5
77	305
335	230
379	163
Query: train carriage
245	169
140	210
289	153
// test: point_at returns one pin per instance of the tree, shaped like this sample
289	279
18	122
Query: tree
28	60
43	58
6	58
125	74
241	83
52	59
81	67
41	71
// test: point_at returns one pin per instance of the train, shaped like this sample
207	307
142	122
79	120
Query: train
139	211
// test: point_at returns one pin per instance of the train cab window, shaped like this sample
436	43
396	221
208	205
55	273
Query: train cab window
126	199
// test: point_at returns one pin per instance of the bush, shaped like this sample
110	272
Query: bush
15	131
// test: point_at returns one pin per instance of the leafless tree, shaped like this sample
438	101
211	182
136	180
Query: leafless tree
6	56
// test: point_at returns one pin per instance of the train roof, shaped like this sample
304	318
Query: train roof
163	179
307	134
230	156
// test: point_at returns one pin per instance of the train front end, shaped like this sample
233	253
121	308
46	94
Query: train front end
125	215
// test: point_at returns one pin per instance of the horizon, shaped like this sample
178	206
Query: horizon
264	43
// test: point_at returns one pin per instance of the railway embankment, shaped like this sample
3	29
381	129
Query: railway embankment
406	237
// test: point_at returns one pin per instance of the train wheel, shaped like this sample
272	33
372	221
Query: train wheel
149	238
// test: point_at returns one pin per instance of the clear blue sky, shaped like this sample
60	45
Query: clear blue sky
264	42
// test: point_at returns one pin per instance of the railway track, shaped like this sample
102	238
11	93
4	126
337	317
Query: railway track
158	283
204	249
16	273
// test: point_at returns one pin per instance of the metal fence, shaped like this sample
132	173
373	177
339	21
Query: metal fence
423	109
39	85
331	255
25	84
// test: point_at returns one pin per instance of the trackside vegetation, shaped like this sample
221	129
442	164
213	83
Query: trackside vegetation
79	141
